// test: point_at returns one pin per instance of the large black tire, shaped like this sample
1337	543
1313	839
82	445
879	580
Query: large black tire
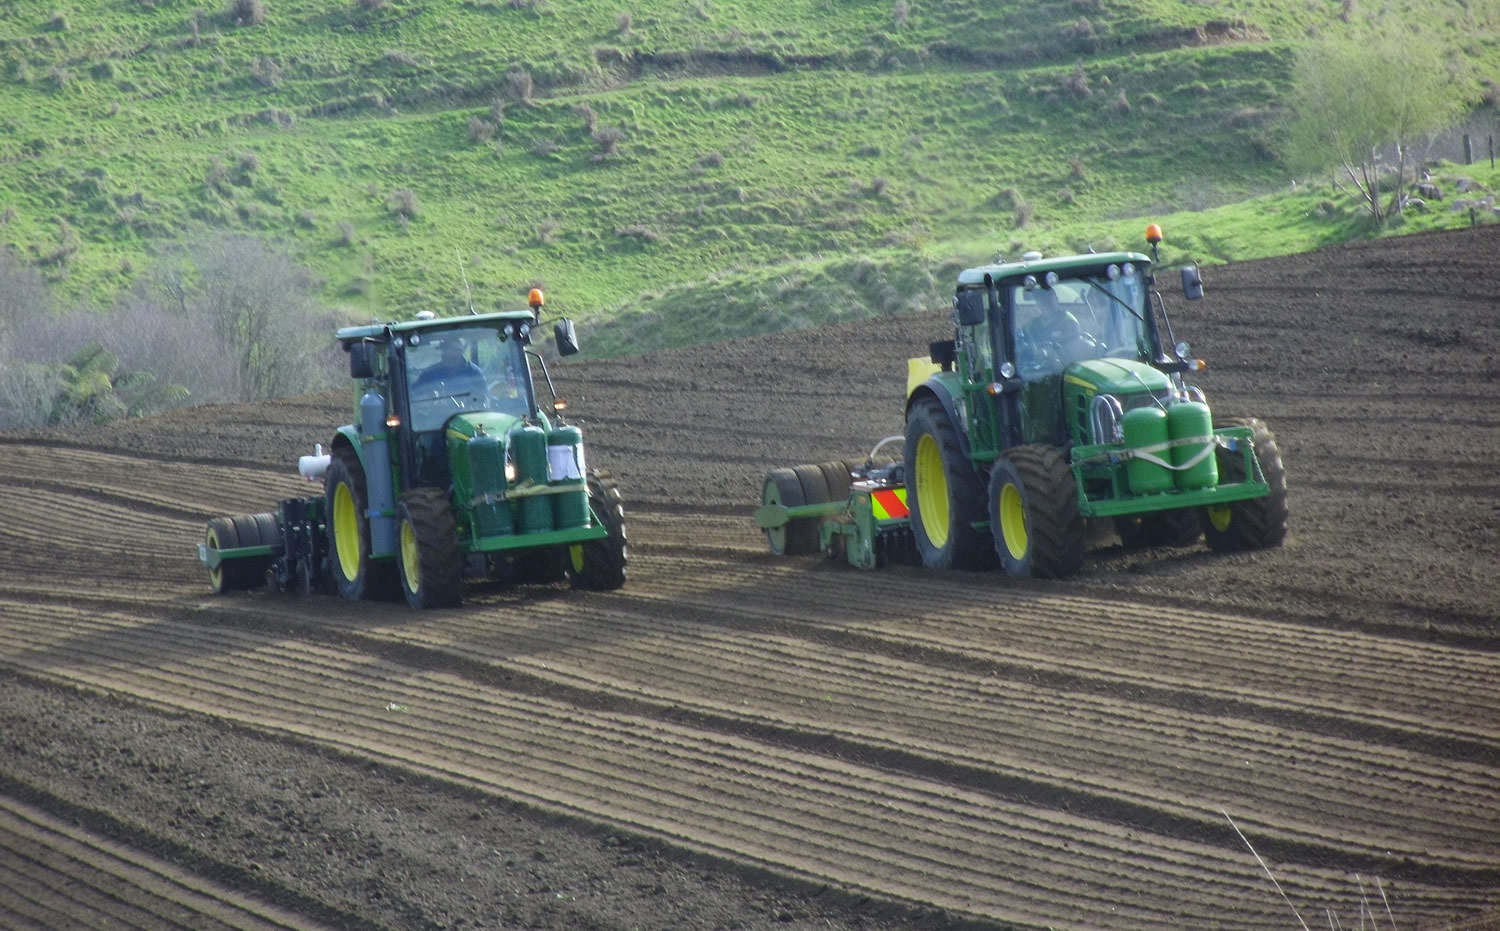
354	574
1177	528
429	565
221	534
944	493
837	478
1034	517
1259	523
798	537
257	530
600	564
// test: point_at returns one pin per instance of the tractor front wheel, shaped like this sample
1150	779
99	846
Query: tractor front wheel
1034	513
944	492
600	564
429	565
1258	523
354	573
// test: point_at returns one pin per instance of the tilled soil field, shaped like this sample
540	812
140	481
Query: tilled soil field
740	741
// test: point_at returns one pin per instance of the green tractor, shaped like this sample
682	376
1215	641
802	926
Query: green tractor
1060	400
451	468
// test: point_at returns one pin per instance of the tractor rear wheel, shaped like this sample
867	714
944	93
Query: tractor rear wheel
1177	528
1258	523
944	493
600	564
796	537
354	573
429	565
1034	513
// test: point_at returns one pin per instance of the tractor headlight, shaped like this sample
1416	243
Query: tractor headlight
510	471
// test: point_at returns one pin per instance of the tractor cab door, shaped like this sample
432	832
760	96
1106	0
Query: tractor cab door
980	352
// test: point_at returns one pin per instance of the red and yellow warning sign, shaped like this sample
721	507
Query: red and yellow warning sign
888	503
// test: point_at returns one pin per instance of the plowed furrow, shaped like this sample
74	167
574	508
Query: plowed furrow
49	520
888	833
1213	655
64	877
1048	741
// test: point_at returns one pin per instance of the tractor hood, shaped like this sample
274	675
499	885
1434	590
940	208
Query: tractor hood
1115	376
495	423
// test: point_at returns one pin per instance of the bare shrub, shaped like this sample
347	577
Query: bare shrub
1024	213
622	23
59	78
249	164
1080	32
497	112
246	12
1491	94
638	232
1121	104
481	130
519	86
608	139
308	220
1077	83
590	118
57	22
878	186
544	148
1076	169
346	234
900	13
711	159
217	178
400	58
1066	196
546	231
404	204
7	216
67	246
1346	11
370	4
264	71
105	70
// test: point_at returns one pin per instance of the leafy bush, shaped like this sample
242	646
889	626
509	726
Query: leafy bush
246	12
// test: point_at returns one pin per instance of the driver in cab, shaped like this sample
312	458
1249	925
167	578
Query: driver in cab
452	367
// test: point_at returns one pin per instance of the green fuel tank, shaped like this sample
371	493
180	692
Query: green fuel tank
570	507
1144	428
490	509
528	445
1191	420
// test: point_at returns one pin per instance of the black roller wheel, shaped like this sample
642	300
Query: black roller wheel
222	535
837	478
354	574
429	564
1034	513
1162	528
797	537
600	564
1260	522
944	493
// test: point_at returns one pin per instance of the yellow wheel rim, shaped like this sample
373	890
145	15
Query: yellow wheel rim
575	554
411	568
1220	518
932	491
346	531
215	576
1013	521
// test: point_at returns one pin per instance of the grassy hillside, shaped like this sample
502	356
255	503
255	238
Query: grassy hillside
649	160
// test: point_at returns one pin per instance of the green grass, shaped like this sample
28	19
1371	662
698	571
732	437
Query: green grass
770	153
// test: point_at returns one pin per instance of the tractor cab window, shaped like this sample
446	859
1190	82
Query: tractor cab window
467	369
1078	319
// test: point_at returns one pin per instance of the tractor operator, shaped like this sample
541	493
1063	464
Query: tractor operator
451	367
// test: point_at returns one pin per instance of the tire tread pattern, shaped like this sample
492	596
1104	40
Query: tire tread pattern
604	560
1259	523
1054	526
439	563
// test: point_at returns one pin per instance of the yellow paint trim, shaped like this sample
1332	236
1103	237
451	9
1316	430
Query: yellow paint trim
1085	385
1220	517
575	555
411	559
932	491
918	370
346	531
1013	521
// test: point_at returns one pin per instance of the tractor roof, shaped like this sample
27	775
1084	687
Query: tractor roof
1064	265
377	330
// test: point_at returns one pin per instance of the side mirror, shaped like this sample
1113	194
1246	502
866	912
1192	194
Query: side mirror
361	359
1192	284
968	309
566	337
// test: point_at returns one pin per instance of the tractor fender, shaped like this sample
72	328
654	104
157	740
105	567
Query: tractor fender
936	387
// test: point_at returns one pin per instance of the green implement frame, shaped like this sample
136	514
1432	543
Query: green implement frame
853	526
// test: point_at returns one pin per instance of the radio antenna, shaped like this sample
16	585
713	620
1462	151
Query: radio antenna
465	277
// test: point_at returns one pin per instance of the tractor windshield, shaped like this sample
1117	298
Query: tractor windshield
465	369
1078	319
